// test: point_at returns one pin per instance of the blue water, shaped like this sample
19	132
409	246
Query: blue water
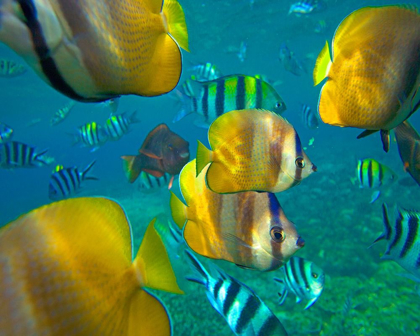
333	215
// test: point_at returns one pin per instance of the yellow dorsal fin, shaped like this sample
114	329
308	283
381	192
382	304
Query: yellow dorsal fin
174	20
322	65
192	186
178	210
152	263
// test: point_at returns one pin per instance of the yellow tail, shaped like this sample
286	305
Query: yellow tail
152	263
174	19
322	65
178	210
204	157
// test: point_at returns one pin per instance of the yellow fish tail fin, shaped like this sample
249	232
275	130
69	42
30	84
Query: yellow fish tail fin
131	169
152	263
204	157
174	20
178	210
322	65
148	316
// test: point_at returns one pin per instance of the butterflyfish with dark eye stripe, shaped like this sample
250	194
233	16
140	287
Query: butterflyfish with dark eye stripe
245	313
374	75
235	92
408	141
253	150
403	239
248	229
95	50
66	268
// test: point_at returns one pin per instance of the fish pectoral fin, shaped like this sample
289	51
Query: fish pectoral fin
150	154
147	315
154	173
230	238
366	133
375	196
386	140
311	302
244	267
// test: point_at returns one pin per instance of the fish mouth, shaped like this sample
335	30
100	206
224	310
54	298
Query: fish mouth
184	155
314	168
300	242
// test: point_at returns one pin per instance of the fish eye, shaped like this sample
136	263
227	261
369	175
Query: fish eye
315	275
300	162
278	105
277	234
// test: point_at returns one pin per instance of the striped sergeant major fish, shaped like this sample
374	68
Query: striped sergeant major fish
150	182
302	278
16	154
118	125
90	135
403	238
10	69
238	304
235	92
205	72
62	113
94	50
309	118
6	133
66	182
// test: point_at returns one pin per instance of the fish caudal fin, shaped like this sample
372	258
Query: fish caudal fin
322	65
132	167
133	118
175	21
204	157
86	170
185	105
387	226
147	316
179	211
283	290
152	263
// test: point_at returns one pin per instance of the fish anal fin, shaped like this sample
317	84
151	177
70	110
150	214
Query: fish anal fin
154	173
152	264
322	65
147	316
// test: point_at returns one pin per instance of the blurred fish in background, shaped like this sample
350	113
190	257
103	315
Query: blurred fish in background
204	72
306	7
245	313
309	118
111	104
16	154
10	69
302	278
62	113
6	133
116	126
242	51
67	182
321	27
291	62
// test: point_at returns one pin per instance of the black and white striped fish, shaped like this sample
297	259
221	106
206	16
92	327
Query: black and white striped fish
309	118
6	133
15	154
66	182
242	309
303	278
11	69
62	113
118	125
91	135
150	182
205	72
403	238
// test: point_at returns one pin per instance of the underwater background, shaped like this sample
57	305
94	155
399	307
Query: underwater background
362	295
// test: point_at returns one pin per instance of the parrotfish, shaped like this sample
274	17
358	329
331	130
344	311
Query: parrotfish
245	313
163	151
16	154
374	77
403	238
235	92
253	150
94	50
303	278
408	141
67	268
66	182
10	69
248	229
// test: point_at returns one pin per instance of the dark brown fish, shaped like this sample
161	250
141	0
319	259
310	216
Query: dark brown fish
408	141
163	151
